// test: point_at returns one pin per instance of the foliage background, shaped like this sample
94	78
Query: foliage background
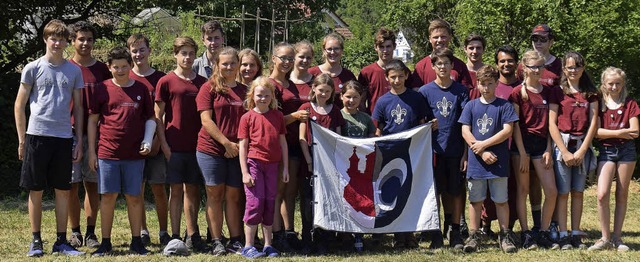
606	32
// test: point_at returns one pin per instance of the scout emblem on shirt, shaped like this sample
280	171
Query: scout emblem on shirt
444	106
483	122
398	113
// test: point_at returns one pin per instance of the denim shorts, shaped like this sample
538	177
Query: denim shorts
620	153
534	145
182	168
219	170
570	177
115	176
497	187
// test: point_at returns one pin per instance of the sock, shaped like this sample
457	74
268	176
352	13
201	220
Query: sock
455	227
106	241
37	236
61	237
91	230
234	239
76	229
162	232
564	234
537	218
144	232
136	240
447	218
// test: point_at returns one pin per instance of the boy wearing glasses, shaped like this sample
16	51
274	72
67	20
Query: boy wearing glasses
446	98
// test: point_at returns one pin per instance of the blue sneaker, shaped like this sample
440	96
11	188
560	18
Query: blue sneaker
66	249
35	249
103	250
252	252
270	251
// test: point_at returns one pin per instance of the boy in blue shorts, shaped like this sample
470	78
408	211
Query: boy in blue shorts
487	124
49	84
445	99
398	110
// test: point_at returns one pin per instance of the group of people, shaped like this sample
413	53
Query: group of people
251	146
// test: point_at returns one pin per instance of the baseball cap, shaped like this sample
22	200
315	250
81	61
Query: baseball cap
542	30
176	247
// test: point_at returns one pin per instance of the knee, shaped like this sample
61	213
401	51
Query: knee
577	195
215	195
603	197
176	190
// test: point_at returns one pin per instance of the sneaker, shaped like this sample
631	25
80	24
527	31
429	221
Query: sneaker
528	241
164	238
219	250
357	243
544	240
75	240
280	241
66	249
576	242
423	237
437	241
146	239
464	228
103	250
410	241
293	240
487	233
446	229
35	249
138	248
347	241
270	251
553	231
249	252
455	240
235	247
195	243
565	243
507	241
91	240
472	242
376	240
619	245
601	244
398	240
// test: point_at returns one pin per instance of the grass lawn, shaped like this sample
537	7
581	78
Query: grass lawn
15	237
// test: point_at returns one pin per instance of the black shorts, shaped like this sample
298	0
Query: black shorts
47	162
447	175
534	145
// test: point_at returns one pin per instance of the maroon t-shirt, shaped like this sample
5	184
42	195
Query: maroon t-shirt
424	74
91	75
616	119
534	112
226	112
263	132
344	76
290	99
331	121
123	113
473	90
550	76
504	90
150	81
181	118
573	113
374	80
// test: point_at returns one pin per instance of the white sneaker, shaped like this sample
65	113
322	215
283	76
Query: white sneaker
617	243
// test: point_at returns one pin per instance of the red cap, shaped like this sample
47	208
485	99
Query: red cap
542	30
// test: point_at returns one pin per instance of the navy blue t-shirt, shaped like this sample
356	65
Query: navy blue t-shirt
446	105
485	121
397	113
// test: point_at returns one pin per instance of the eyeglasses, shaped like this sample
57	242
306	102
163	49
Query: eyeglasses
573	68
333	49
285	58
534	67
540	39
441	65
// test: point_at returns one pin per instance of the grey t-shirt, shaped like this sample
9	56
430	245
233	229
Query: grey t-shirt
52	89
357	125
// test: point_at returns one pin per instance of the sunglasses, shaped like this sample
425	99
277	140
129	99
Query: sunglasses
285	58
540	39
534	67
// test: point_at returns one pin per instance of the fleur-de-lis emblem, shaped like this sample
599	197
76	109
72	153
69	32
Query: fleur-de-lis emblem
483	122
398	113
444	106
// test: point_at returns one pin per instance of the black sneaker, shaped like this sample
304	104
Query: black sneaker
218	248
235	247
280	242
472	242
576	242
195	243
164	238
103	250
464	228
91	240
437	241
507	241
455	240
399	240
544	240
138	248
446	229
423	236
347	241
293	240
488	234
146	239
565	243
528	241
410	241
